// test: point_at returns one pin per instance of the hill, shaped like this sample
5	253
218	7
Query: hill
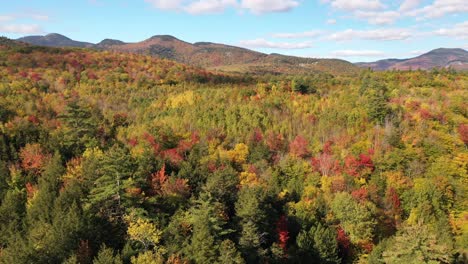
54	40
438	58
206	54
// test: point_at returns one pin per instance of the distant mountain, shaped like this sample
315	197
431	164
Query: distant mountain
206	54
438	58
54	40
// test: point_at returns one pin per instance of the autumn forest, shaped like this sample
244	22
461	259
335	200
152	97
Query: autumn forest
109	157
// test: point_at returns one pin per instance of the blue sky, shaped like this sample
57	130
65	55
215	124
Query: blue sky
355	30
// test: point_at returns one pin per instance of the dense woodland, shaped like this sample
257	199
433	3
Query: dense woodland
123	158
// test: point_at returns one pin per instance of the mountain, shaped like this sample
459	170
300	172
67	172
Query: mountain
54	40
438	58
212	56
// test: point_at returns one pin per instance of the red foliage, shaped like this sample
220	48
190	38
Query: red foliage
327	147
463	131
425	114
325	164
33	119
343	242
157	180
351	166
35	76
367	246
152	141
366	161
361	194
30	190
133	142
92	75
173	156
283	233
298	147
356	166
32	158
23	74
275	142
393	199
257	136
162	185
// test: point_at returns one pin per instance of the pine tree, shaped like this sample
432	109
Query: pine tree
228	253
107	256
114	175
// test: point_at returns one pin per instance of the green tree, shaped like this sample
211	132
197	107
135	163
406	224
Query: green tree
318	245
417	244
356	219
114	176
107	256
228	253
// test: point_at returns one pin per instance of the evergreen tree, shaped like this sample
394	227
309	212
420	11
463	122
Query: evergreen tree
108	195
107	256
318	245
228	253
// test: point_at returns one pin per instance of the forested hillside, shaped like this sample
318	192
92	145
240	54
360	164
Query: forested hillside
124	158
206	54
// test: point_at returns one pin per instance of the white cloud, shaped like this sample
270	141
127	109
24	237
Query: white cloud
27	15
357	53
379	17
331	21
268	6
40	17
353	5
217	6
166	4
4	18
417	52
440	8
378	34
459	31
21	29
409	5
209	6
262	43
306	34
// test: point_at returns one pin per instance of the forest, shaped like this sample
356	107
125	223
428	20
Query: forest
122	158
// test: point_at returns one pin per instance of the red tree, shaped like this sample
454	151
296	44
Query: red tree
298	147
283	233
463	131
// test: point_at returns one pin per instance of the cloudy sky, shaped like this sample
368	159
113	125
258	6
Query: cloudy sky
355	30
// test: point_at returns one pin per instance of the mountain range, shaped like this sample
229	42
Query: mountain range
214	56
438	58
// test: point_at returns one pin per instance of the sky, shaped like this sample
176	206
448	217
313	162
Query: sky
354	30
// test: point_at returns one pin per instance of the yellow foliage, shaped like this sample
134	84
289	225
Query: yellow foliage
326	183
148	257
413	217
94	153
397	180
284	193
360	180
183	99
239	153
143	231
248	178
74	170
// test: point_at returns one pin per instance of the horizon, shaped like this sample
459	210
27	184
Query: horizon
356	31
95	43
